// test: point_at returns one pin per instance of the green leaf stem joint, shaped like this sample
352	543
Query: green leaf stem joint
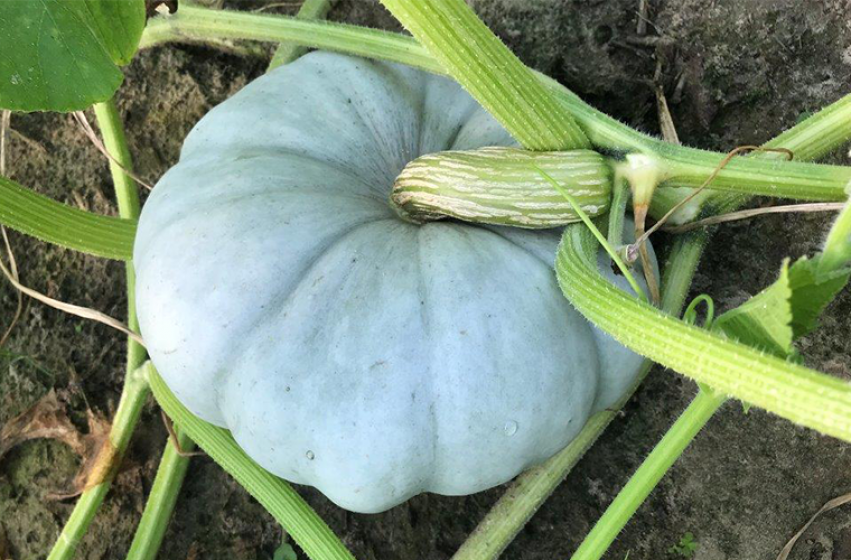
643	172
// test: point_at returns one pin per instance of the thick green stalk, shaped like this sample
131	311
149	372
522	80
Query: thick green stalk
197	24
817	135
837	247
529	490
129	206
33	214
617	211
754	176
807	145
115	142
274	494
810	139
680	269
133	398
288	52
485	67
649	474
799	394
162	499
135	390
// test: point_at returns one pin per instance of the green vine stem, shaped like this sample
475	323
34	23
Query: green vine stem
288	52
837	247
195	24
617	211
273	493
162	499
816	135
133	397
836	256
805	139
811	139
485	67
808	140
529	490
33	214
648	475
756	176
612	251
799	394
199	25
135	390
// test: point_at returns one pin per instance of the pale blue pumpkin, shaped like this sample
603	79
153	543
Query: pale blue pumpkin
281	297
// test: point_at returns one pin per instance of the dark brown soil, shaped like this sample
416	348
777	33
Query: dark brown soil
748	69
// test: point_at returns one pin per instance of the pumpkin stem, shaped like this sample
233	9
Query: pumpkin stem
502	186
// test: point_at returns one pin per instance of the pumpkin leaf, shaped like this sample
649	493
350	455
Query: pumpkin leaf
786	310
764	321
812	290
66	53
285	552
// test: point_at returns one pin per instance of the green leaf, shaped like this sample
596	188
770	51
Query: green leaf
23	210
62	55
686	547
765	320
285	552
786	310
812	290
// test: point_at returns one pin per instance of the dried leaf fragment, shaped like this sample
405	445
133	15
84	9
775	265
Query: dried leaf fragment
48	419
45	419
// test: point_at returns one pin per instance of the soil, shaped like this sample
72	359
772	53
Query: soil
735	71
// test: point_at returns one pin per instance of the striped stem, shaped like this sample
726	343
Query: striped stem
502	186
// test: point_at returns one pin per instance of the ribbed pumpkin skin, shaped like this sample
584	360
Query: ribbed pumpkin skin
282	298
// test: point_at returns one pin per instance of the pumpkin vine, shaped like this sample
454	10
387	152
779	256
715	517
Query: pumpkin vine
456	228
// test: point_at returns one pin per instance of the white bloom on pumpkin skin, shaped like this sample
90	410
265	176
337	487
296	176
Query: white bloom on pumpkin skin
281	200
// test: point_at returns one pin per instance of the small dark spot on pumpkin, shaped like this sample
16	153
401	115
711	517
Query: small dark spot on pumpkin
462	332
287	389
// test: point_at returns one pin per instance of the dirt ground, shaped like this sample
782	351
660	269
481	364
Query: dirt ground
735	71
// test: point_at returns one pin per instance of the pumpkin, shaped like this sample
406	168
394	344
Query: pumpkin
282	297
